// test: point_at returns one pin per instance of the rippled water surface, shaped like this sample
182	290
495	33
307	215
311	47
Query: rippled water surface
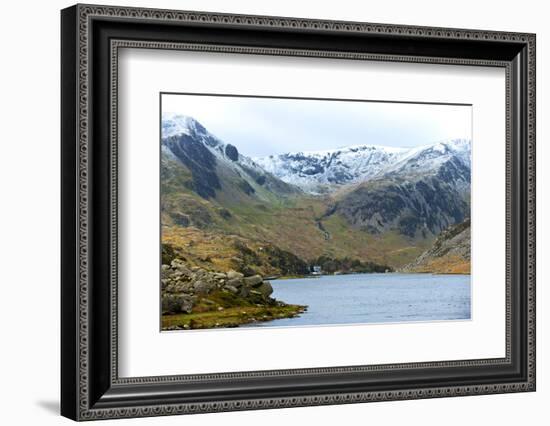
374	298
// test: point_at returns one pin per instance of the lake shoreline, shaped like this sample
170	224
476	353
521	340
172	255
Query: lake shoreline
195	298
374	298
353	298
295	277
230	317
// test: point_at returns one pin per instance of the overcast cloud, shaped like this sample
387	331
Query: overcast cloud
261	127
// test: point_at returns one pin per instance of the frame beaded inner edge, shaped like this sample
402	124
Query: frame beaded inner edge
86	13
115	46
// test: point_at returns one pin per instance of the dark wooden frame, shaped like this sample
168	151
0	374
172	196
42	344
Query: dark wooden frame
90	386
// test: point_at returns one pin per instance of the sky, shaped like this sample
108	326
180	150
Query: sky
260	127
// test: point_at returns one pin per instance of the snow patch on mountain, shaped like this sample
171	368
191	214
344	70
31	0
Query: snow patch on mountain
177	124
428	159
174	124
324	171
319	172
185	139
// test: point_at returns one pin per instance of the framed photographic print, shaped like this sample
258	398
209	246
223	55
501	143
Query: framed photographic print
263	212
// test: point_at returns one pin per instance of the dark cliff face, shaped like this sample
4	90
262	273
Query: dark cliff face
454	171
231	152
420	207
215	167
199	160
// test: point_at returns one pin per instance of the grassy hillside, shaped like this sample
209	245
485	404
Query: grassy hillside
209	233
222	231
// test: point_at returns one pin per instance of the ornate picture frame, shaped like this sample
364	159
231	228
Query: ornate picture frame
91	37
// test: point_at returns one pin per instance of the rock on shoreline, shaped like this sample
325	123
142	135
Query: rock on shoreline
183	288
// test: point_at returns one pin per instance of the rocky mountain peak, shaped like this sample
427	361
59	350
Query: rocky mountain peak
174	124
215	167
327	171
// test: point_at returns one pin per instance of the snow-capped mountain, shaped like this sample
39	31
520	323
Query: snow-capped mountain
214	165
431	157
325	171
321	171
177	125
417	191
424	192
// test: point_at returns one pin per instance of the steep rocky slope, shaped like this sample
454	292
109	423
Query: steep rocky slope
416	208
213	169
450	253
418	191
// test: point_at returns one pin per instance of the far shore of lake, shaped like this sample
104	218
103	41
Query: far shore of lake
294	277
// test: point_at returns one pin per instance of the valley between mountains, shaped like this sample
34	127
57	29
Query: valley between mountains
360	208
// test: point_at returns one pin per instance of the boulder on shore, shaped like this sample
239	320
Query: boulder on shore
175	303
253	281
265	289
235	282
183	287
234	275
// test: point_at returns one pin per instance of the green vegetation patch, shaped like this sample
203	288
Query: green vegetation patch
229	317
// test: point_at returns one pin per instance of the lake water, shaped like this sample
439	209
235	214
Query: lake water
373	298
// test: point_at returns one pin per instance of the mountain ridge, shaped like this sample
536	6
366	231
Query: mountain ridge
326	171
185	140
390	217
